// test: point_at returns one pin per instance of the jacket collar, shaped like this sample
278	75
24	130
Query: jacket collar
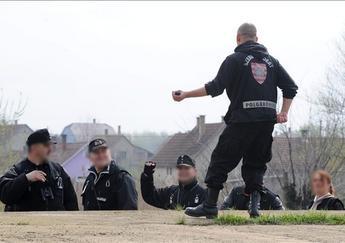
190	185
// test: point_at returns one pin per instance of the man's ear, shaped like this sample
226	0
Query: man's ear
256	38
238	39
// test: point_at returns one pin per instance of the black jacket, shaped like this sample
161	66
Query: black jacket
238	201
57	193
250	77
331	203
111	189
173	196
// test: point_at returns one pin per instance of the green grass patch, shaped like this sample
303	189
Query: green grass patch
181	221
284	219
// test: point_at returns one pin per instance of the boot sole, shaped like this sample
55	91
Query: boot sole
207	216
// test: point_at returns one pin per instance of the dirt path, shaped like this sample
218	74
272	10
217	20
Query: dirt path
148	226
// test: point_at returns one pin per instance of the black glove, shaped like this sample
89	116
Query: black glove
149	168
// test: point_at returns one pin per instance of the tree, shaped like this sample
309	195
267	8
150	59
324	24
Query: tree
10	112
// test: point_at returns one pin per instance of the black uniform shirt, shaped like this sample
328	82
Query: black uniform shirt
57	193
250	77
173	196
111	189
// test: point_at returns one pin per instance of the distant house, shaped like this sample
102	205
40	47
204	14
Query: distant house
197	143
123	151
14	136
83	131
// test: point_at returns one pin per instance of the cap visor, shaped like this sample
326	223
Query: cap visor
94	149
183	165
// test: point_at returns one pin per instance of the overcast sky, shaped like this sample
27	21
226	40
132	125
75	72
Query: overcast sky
119	61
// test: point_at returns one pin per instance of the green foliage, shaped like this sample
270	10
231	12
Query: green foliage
181	221
179	207
322	218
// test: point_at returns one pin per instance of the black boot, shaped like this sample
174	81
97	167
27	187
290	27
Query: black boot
254	204
208	208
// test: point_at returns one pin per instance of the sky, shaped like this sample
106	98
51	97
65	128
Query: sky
118	62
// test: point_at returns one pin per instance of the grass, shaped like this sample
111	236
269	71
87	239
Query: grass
181	221
284	219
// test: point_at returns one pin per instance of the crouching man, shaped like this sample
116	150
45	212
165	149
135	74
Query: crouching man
37	184
108	187
188	193
239	200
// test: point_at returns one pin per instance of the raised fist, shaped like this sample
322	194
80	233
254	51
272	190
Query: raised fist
149	168
36	175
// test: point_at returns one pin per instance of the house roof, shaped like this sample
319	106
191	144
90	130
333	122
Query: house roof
84	131
189	143
62	152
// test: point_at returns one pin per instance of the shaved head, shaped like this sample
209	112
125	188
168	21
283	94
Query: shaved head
246	32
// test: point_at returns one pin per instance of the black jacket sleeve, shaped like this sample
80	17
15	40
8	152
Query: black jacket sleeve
228	201
285	82
223	79
70	197
127	194
12	186
155	197
336	204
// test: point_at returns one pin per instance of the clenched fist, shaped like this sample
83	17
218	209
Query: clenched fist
36	175
179	95
282	117
149	168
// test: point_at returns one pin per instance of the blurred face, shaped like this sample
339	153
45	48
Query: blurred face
185	174
320	186
41	151
100	158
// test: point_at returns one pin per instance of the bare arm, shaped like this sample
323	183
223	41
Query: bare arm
282	117
180	95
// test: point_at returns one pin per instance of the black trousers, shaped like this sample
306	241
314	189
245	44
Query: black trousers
251	142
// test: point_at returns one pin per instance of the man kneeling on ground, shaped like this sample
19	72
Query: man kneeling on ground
108	187
187	194
238	200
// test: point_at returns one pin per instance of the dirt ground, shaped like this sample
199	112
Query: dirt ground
149	226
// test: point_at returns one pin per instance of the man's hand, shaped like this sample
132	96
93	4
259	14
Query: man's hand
282	117
36	175
149	168
179	95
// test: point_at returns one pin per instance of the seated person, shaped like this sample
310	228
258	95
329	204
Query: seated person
323	190
238	200
107	187
188	193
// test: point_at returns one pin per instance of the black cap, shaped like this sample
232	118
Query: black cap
185	160
97	144
39	136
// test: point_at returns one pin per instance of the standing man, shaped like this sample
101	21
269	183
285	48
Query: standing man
188	193
108	187
37	184
250	77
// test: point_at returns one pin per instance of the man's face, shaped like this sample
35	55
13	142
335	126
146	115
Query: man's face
40	150
100	158
185	174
